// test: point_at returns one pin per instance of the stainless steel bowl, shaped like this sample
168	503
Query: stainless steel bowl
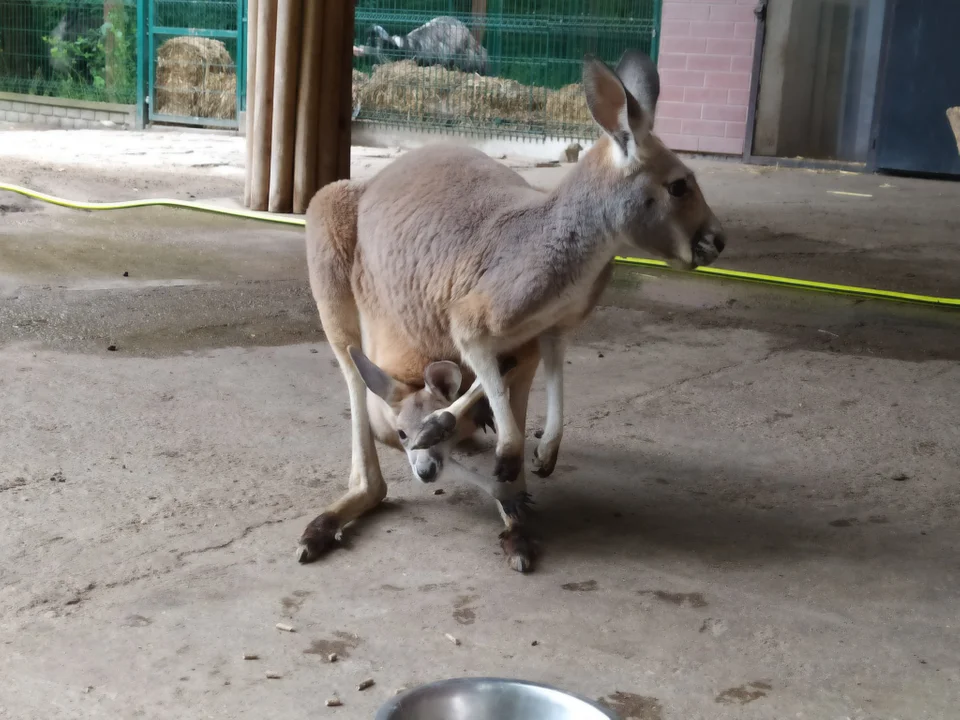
490	699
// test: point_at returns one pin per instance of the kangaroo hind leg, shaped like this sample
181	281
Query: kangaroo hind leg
331	242
516	541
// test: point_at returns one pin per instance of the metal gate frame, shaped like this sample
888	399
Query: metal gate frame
147	32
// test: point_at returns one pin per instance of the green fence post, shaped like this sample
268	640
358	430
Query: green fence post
141	64
655	41
241	59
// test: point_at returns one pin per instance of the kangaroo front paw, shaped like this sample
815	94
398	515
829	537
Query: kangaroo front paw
519	549
321	534
545	459
518	507
483	415
435	430
507	467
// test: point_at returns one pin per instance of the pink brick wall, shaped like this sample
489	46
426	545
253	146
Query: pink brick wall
706	59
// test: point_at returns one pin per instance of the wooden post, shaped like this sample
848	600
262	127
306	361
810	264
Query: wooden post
252	13
308	104
299	100
263	105
346	97
328	135
285	84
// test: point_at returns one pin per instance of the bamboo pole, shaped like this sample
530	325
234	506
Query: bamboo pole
252	17
285	84
308	103
346	90
263	121
328	134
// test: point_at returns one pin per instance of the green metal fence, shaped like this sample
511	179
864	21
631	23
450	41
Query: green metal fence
81	49
91	50
528	52
196	51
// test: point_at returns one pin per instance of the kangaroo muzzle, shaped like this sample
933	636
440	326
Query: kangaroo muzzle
707	246
426	465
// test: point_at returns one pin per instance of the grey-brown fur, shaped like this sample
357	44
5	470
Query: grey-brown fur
457	258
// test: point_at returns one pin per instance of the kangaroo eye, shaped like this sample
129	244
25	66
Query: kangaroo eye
401	434
678	188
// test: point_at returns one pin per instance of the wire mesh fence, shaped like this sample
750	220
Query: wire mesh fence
492	67
82	49
87	50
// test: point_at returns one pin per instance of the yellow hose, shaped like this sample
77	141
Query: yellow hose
722	273
130	204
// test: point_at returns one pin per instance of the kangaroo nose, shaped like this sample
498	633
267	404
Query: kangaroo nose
719	242
428	474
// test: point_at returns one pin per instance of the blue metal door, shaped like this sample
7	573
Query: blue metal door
920	82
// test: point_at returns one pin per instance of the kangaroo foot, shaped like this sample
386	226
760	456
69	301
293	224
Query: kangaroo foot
545	459
321	534
519	548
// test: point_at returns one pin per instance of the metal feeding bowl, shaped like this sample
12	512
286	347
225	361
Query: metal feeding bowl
490	699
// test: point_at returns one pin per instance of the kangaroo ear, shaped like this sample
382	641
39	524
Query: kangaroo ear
376	380
613	107
640	77
443	378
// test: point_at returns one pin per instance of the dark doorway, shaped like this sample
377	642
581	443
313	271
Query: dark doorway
818	79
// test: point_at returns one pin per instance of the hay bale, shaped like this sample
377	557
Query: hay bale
359	80
568	106
492	98
953	115
196	77
423	93
405	89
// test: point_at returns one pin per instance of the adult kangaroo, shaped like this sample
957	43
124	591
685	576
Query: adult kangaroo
455	257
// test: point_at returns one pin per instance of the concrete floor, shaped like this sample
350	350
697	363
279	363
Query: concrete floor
756	512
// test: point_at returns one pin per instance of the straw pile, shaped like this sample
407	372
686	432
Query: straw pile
568	106
359	79
414	92
196	77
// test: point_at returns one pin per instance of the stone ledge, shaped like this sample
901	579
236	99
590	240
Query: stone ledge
66	102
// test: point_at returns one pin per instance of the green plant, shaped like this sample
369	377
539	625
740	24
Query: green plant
99	64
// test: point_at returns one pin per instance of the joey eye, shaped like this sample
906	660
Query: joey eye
678	188
401	434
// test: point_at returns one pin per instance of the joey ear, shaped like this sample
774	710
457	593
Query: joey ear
443	378
640	77
376	380
613	107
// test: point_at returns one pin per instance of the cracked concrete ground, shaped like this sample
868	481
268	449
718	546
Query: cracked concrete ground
755	512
